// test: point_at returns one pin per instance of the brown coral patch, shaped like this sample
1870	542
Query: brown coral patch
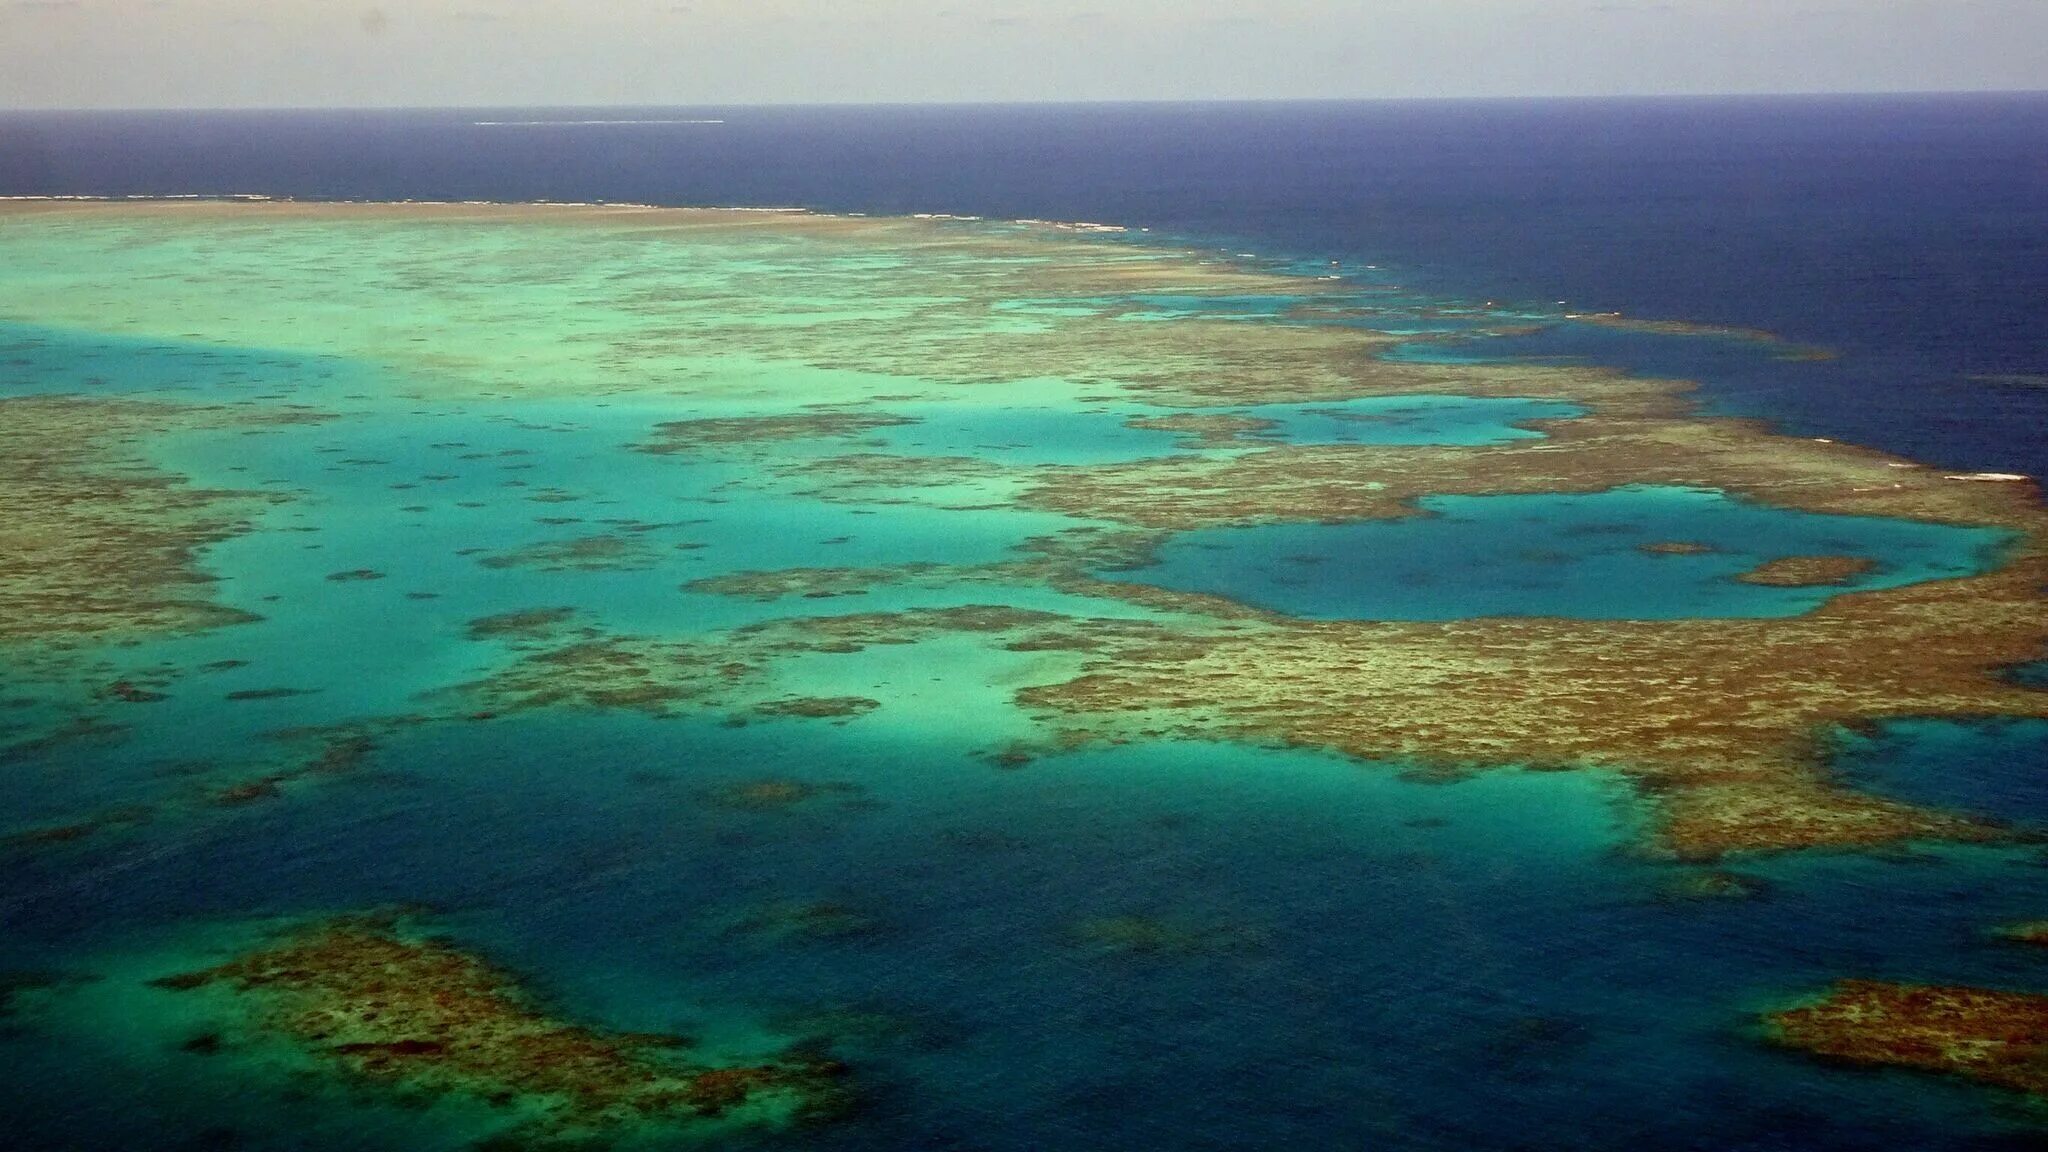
605	553
249	792
822	920
1205	429
1990	1036
1807	571
775	795
825	424
818	707
2030	932
530	624
1711	884
420	1014
824	583
615	672
57	835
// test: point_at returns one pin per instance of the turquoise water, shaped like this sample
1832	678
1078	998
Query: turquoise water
1079	433
1352	957
38	360
1559	555
1461	421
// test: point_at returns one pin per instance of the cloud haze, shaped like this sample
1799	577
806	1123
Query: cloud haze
184	53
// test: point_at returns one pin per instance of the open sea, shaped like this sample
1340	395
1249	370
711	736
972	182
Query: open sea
1329	957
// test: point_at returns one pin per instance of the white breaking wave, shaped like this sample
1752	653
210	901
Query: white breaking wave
577	123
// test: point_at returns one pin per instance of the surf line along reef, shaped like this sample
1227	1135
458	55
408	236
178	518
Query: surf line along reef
846	365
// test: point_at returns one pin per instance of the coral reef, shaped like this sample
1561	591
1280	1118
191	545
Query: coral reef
1723	725
2030	932
1620	441
818	707
99	544
606	553
1711	884
529	624
380	1003
1990	1036
775	795
823	424
805	920
1206	429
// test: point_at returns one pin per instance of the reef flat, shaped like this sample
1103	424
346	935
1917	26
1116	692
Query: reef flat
98	544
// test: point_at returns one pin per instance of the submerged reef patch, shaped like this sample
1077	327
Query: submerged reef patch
373	999
527	624
830	424
1206	429
1161	936
1994	1037
776	795
1807	571
803	920
606	553
818	707
2030	932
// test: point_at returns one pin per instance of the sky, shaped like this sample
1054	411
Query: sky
409	53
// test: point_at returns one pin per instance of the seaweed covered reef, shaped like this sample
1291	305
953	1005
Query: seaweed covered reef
373	999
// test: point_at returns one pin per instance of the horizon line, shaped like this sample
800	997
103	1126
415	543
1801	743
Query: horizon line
1856	94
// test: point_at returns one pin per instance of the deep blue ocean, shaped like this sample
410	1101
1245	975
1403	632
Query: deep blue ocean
1908	234
1353	958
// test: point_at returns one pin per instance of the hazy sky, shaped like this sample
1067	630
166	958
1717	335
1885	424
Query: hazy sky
140	53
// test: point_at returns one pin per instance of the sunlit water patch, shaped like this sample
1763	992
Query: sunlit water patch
1630	553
